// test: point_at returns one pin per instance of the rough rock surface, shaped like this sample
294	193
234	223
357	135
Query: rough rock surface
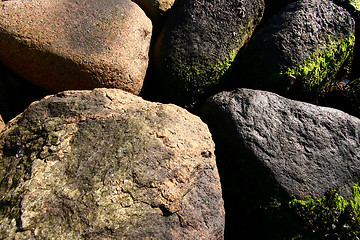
270	147
155	8
62	45
107	164
199	42
298	51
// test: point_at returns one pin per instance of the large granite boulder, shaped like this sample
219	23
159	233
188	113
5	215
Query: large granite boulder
62	45
105	164
299	51
199	42
271	150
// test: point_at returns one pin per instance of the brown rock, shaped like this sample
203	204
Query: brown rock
105	164
61	45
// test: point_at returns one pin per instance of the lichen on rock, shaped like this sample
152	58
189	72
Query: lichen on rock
107	164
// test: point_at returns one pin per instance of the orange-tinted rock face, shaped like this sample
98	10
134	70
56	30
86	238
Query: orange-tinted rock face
61	45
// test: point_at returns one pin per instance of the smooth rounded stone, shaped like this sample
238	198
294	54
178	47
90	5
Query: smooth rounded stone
298	52
105	164
198	44
61	45
271	150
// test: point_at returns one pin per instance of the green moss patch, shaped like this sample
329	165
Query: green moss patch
355	4
329	216
316	72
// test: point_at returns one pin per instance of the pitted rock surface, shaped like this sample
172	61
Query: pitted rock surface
307	149
61	45
271	150
107	164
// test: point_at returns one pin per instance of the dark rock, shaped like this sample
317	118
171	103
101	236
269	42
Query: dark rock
76	45
274	6
299	51
271	149
199	42
107	164
155	9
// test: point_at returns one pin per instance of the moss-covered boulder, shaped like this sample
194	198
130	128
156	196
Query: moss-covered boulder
299	51
199	42
275	155
62	45
105	164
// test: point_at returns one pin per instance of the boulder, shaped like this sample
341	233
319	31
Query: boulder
198	44
105	164
271	150
299	51
62	45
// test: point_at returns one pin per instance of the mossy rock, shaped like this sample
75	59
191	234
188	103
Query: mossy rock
198	44
331	216
296	57
272	150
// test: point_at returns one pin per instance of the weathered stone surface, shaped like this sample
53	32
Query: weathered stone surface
155	8
62	45
199	42
299	51
271	149
107	164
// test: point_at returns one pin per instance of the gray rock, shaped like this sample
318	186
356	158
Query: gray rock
299	51
61	45
270	148
107	164
308	149
199	42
